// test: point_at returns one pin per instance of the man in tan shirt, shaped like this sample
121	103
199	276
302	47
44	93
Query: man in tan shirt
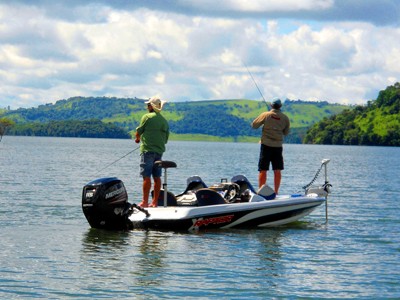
275	126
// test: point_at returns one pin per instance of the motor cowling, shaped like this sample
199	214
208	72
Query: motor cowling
105	204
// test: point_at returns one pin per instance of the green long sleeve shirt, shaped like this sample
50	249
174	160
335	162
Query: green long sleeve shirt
154	133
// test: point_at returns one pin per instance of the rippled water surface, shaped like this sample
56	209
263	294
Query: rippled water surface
48	249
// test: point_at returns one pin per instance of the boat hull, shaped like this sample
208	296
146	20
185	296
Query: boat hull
241	215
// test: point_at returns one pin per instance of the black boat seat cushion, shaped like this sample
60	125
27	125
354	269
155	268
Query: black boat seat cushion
165	164
194	183
243	182
209	197
171	200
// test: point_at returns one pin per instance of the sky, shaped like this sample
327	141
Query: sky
340	51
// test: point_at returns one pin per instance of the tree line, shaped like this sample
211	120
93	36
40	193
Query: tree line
219	118
377	123
71	128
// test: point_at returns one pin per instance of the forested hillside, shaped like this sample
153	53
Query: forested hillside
217	119
377	123
88	129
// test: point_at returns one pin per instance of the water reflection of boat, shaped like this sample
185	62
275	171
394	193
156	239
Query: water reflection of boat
228	204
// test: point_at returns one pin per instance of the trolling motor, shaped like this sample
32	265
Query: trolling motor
105	204
323	190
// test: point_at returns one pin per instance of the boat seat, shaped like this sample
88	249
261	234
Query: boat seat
243	183
165	164
208	196
266	192
193	184
171	199
187	199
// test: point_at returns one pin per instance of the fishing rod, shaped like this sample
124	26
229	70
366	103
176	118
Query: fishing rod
119	159
256	84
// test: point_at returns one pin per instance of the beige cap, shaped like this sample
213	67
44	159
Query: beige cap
156	103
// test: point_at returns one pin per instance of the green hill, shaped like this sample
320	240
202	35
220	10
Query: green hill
88	129
377	123
227	120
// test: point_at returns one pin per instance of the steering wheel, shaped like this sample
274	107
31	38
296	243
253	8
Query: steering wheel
232	192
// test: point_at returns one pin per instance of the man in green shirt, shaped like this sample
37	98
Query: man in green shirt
153	132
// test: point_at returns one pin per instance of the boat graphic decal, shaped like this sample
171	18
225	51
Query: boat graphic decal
215	220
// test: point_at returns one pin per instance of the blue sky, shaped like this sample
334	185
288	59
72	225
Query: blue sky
341	51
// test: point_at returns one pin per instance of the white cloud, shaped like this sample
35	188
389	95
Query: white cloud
262	5
159	78
49	52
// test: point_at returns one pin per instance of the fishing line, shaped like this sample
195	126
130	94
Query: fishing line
118	159
255	83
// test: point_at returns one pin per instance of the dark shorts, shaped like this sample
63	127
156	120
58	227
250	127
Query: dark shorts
270	155
147	167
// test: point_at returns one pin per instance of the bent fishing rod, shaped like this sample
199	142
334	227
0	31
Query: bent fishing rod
256	84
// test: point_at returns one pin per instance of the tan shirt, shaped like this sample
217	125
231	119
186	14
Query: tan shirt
275	125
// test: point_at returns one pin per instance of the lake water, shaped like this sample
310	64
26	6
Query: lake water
48	250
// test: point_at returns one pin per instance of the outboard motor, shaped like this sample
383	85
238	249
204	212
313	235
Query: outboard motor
105	204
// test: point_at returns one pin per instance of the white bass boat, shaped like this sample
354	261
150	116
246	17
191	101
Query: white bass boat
228	204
